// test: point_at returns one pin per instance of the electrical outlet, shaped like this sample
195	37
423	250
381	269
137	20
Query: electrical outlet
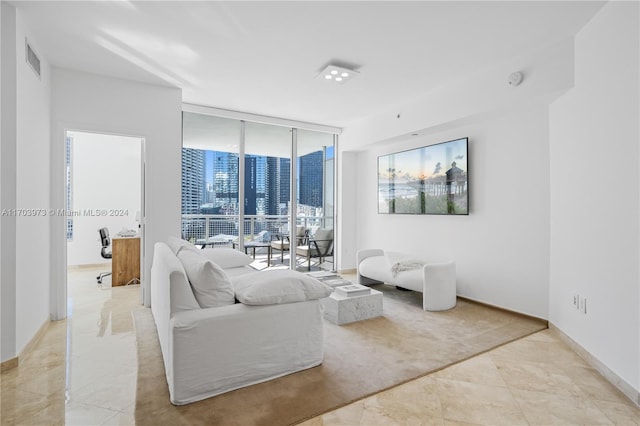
576	301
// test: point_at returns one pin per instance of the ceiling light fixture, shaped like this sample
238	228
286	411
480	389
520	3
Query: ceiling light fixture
337	74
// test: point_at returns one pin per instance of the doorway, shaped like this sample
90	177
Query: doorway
104	190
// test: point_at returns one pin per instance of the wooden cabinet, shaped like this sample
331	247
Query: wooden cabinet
125	263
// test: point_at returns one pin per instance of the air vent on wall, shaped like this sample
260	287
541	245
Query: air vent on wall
32	58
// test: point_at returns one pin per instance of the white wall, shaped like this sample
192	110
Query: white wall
25	171
89	102
594	193
8	181
32	186
347	205
502	248
105	177
477	97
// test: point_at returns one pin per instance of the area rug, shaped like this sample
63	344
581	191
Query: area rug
361	359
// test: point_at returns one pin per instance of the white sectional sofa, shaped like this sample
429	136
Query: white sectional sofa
436	280
209	351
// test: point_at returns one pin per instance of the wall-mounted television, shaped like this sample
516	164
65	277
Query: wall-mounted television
428	180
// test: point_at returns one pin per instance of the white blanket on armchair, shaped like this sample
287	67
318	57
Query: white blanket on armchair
406	265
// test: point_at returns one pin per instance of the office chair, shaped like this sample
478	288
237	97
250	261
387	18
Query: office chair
105	252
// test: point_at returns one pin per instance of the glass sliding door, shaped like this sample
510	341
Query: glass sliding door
262	187
267	186
210	179
315	161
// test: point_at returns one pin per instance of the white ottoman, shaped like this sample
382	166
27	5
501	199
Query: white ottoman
340	309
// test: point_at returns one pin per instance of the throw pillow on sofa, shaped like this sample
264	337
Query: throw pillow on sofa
227	257
176	244
210	284
277	287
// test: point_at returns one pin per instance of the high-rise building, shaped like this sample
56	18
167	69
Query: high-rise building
271	186
267	182
250	184
193	188
261	184
277	185
225	181
209	193
310	175
284	186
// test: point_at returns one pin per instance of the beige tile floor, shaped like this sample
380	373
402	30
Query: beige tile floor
83	372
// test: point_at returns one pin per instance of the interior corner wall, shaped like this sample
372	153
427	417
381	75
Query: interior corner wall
501	248
595	185
347	225
8	181
89	102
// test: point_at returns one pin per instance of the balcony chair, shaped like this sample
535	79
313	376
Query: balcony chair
281	240
105	252
320	246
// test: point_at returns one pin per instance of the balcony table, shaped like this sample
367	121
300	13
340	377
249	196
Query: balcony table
253	245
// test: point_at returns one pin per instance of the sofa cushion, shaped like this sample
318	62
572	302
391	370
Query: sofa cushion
176	244
277	287
210	284
376	268
226	257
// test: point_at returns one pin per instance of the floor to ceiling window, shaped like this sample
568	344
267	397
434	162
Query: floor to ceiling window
267	188
210	179
239	183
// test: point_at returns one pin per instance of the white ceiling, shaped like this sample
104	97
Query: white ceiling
263	57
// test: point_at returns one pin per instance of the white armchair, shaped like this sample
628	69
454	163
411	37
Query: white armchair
436	280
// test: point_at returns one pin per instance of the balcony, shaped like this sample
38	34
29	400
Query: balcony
222	231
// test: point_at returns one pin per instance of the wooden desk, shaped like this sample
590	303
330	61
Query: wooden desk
125	263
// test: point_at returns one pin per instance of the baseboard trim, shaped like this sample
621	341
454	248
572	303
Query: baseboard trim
502	308
88	266
14	362
599	366
348	271
34	340
8	364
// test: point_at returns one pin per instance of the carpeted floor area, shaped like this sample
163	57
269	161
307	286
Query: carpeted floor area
361	359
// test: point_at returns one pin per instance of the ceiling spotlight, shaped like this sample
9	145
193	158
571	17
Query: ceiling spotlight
338	74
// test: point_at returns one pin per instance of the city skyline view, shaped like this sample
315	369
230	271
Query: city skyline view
210	182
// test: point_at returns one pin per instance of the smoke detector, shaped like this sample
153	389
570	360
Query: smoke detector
515	78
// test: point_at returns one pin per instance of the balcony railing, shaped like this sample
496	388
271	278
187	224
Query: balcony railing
223	229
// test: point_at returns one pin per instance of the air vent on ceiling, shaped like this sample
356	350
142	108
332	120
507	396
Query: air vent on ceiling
32	58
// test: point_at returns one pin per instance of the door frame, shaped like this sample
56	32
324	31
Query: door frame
58	240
